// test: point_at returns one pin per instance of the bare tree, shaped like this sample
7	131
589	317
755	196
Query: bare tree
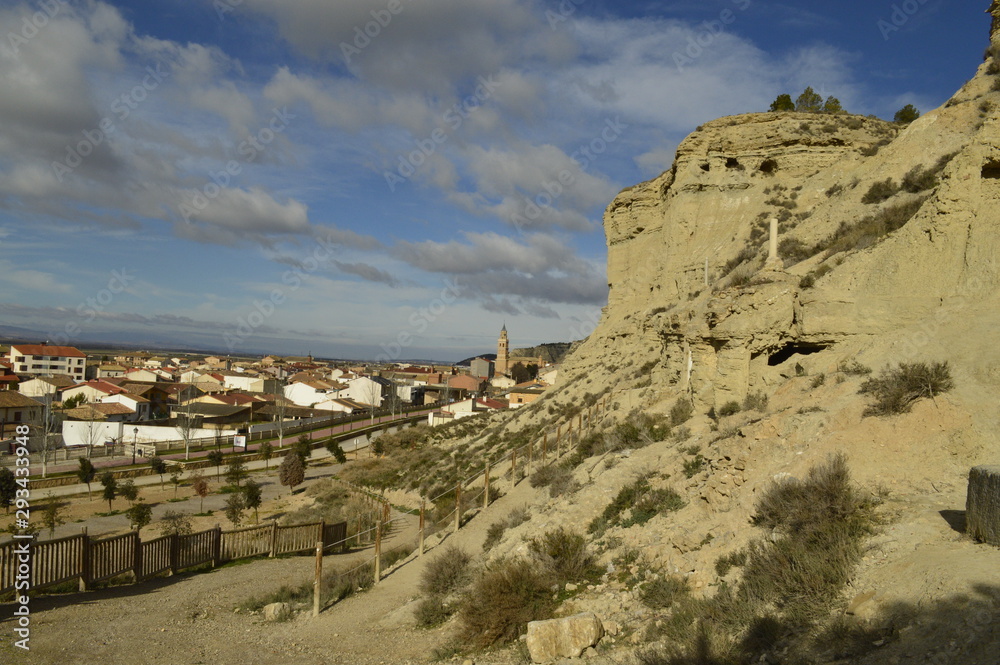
185	427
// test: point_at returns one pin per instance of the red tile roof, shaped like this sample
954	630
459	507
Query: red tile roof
47	350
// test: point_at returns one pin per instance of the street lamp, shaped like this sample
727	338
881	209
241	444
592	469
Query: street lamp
135	436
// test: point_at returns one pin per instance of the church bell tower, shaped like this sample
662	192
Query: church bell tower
502	362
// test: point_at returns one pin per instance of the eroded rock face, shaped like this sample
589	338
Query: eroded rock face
563	638
721	327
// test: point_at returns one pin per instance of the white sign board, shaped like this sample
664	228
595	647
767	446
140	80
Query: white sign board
240	441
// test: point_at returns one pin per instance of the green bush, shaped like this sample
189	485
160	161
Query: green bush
729	409
663	592
681	412
503	598
817	381
880	191
643	501
854	368
895	390
919	179
557	478
446	572
693	466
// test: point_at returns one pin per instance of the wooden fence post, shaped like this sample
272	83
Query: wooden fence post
558	441
216	546
422	527
513	469
545	447
85	561
318	581
486	485
274	539
458	506
175	554
136	557
378	552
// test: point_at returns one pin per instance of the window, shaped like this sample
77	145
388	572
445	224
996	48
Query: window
17	416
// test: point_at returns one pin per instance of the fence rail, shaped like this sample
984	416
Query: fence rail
92	560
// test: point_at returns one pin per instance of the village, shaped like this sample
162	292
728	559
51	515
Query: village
137	404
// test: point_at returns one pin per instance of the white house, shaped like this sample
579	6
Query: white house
42	359
142	375
308	392
367	390
46	388
139	405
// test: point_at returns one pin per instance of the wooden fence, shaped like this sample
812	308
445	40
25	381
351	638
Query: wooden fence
92	560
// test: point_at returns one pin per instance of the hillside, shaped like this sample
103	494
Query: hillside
732	383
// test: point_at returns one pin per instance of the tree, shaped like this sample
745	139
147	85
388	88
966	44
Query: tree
200	487
292	471
252	497
235	508
337	451
8	488
783	103
185	426
236	472
139	515
519	373
303	448
215	457
266	451
158	466
175	523
378	447
86	473
51	517
832	105
129	491
906	115
809	102
74	401
110	488
175	480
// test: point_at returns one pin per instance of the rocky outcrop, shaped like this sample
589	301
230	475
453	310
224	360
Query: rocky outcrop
687	282
563	638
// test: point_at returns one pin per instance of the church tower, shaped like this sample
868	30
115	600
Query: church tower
502	362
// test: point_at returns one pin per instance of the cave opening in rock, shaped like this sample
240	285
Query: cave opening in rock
706	167
733	163
991	170
792	349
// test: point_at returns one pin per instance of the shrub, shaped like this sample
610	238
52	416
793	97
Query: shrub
755	402
729	409
854	368
918	179
446	572
681	412
504	597
558	479
726	562
693	466
564	555
807	281
664	591
880	191
431	612
870	229
494	534
817	381
642	500
896	389
834	190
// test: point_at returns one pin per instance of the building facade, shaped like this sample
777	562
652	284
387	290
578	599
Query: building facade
45	359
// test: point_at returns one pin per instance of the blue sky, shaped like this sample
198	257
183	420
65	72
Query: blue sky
264	176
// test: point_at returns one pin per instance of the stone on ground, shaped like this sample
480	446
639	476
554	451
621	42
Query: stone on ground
563	638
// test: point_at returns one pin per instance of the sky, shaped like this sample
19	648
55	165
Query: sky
390	179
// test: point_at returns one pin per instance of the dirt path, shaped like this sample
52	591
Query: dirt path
190	619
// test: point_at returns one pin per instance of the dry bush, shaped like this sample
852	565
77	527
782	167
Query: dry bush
432	611
564	555
446	572
664	591
896	389
503	598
